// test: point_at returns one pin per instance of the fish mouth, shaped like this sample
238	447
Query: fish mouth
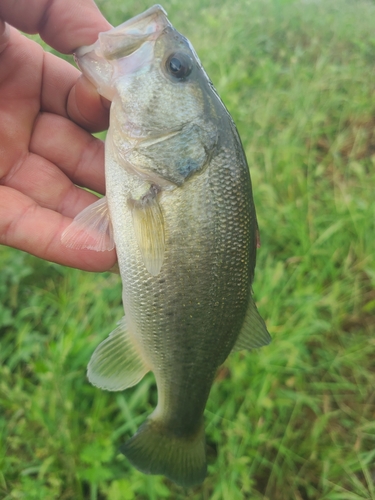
132	41
129	36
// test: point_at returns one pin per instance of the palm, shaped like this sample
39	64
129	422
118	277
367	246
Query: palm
47	112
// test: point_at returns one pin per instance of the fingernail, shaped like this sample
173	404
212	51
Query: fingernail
4	35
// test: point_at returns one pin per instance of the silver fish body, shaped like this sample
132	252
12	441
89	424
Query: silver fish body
179	203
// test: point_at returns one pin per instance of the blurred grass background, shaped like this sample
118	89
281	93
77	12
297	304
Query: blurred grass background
294	421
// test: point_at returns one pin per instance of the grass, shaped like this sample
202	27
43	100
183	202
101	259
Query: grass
294	421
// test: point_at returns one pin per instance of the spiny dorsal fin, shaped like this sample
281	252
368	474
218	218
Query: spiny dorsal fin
254	332
117	363
91	229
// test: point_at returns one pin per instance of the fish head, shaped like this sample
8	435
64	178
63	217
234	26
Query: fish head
158	88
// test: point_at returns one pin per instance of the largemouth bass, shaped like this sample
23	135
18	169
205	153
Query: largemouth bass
180	212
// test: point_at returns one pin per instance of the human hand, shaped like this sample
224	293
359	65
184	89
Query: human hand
47	112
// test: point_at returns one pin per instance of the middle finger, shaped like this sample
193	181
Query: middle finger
61	156
76	152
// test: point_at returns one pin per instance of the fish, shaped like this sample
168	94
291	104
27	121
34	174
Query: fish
179	210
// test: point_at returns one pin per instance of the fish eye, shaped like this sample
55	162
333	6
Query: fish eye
179	65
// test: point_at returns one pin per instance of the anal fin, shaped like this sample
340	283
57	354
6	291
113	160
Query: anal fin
117	362
254	333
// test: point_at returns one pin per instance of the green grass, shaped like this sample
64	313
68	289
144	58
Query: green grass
294	421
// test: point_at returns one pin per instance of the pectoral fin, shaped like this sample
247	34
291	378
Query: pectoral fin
254	332
117	362
149	231
91	229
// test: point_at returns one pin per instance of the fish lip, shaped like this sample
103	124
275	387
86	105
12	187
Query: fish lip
126	38
155	11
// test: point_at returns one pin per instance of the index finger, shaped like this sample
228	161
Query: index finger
63	24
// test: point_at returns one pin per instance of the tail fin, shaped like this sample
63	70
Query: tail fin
154	450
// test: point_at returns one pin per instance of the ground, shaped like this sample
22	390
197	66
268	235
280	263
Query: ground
294	420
